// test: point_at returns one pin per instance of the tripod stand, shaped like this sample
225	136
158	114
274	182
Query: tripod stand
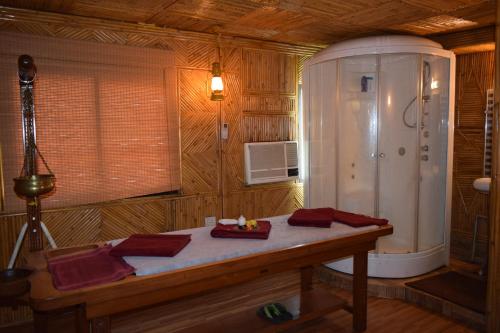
20	240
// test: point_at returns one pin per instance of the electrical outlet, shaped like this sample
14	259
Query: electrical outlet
210	221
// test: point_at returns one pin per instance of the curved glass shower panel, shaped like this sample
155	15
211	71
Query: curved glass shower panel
357	134
322	122
387	120
434	152
397	150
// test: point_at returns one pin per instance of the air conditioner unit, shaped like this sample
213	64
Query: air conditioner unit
268	162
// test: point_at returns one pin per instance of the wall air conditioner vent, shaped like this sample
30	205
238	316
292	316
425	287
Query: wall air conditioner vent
268	162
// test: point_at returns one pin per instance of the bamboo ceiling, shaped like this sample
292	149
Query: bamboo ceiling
302	22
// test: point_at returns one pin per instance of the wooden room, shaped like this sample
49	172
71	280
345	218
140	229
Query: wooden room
249	166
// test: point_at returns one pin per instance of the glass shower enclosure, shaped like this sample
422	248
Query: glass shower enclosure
378	116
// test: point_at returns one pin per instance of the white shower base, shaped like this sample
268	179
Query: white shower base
398	265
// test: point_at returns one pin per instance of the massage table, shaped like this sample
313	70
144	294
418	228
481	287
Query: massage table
208	264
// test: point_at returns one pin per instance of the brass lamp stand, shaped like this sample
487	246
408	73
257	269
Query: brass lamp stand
30	185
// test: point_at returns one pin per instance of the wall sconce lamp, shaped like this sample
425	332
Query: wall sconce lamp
217	85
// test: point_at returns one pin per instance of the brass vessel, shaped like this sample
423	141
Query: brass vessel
34	185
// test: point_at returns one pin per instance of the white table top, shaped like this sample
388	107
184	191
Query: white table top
203	248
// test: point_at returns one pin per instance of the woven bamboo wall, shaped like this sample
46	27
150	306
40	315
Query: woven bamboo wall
475	74
260	104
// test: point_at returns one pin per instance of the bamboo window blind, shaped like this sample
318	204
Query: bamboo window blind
106	119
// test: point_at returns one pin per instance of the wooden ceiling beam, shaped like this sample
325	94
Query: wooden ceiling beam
31	17
465	38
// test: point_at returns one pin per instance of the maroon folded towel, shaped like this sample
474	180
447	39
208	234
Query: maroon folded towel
315	217
87	269
357	220
232	231
151	245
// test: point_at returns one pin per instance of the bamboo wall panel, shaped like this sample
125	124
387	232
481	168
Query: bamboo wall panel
474	76
193	54
121	221
269	104
191	213
269	128
74	226
264	201
199	136
232	159
300	68
268	72
267	112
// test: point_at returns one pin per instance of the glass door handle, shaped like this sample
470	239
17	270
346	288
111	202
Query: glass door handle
381	155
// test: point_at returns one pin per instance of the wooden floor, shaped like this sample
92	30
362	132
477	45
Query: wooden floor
385	316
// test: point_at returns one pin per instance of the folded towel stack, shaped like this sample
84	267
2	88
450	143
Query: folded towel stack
87	269
316	217
151	245
323	217
357	220
232	231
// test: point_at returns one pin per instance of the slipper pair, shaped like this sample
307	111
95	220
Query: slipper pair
275	313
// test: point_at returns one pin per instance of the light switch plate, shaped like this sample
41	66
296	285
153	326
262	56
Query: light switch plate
210	221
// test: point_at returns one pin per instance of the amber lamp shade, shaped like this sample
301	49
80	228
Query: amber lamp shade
217	86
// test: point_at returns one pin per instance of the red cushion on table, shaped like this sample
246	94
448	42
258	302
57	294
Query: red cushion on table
232	231
151	245
87	269
312	217
357	220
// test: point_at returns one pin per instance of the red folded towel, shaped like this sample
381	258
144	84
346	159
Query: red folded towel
151	245
87	269
315	217
232	231
357	220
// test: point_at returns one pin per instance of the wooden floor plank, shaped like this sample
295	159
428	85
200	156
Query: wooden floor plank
384	315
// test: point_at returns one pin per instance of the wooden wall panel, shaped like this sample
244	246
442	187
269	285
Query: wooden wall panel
268	72
74	226
232	148
269	104
120	221
263	201
199	136
474	77
269	128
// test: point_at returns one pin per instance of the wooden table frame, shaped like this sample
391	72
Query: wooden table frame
93	306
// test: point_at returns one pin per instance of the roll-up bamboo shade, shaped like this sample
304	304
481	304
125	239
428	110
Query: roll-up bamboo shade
106	119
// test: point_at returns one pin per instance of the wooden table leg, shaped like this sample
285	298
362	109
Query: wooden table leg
41	322
82	325
306	277
61	319
101	325
359	291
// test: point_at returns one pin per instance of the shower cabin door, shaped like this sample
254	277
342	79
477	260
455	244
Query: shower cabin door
398	155
356	168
